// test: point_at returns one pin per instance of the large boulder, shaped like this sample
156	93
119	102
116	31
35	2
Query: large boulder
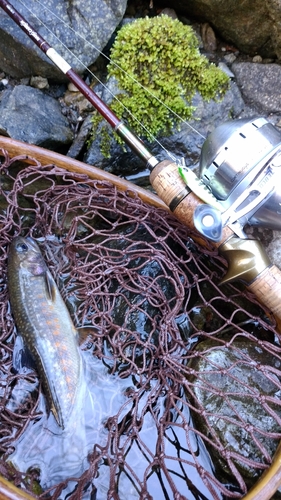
91	22
259	84
253	26
30	116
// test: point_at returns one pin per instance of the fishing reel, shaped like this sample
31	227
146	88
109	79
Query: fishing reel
240	164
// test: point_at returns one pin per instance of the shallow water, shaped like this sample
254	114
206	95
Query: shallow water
62	454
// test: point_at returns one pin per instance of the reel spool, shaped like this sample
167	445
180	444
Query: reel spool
240	163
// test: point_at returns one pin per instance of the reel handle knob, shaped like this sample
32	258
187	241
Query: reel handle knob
208	221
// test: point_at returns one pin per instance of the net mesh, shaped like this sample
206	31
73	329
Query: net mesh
202	410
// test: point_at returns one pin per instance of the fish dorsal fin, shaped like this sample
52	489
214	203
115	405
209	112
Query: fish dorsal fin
51	287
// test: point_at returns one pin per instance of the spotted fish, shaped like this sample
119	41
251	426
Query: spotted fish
44	322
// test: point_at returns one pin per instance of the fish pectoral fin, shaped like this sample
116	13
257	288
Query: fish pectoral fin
51	288
22	357
86	335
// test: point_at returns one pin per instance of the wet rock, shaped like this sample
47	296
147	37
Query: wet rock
27	114
74	98
260	85
252	25
93	20
229	379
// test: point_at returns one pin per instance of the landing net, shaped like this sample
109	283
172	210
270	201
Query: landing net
201	416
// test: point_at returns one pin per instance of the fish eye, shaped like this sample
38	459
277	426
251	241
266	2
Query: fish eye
22	247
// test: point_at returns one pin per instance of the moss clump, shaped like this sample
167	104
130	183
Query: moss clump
162	55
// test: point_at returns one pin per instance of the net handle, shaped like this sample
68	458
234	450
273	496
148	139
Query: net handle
47	157
10	492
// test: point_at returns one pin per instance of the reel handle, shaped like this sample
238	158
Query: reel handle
264	279
182	202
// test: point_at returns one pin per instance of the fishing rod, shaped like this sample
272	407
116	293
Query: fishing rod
237	185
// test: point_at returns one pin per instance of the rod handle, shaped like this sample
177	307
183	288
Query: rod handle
182	202
267	289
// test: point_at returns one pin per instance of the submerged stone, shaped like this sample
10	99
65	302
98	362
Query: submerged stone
234	388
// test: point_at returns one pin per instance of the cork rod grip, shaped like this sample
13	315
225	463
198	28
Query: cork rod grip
267	289
170	187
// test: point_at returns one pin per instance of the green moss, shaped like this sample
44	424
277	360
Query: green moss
162	55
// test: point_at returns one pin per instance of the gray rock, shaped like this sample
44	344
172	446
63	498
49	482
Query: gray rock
252	25
227	385
79	142
260	85
27	114
93	20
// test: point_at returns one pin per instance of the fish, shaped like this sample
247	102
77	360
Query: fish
45	324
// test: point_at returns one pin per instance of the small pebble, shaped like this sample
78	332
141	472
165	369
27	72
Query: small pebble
230	58
169	12
71	87
257	59
38	82
4	82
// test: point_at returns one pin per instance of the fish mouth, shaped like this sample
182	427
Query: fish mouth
26	253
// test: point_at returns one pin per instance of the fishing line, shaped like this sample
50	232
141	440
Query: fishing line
149	92
95	76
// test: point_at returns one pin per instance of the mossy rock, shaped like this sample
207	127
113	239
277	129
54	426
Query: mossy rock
158	66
